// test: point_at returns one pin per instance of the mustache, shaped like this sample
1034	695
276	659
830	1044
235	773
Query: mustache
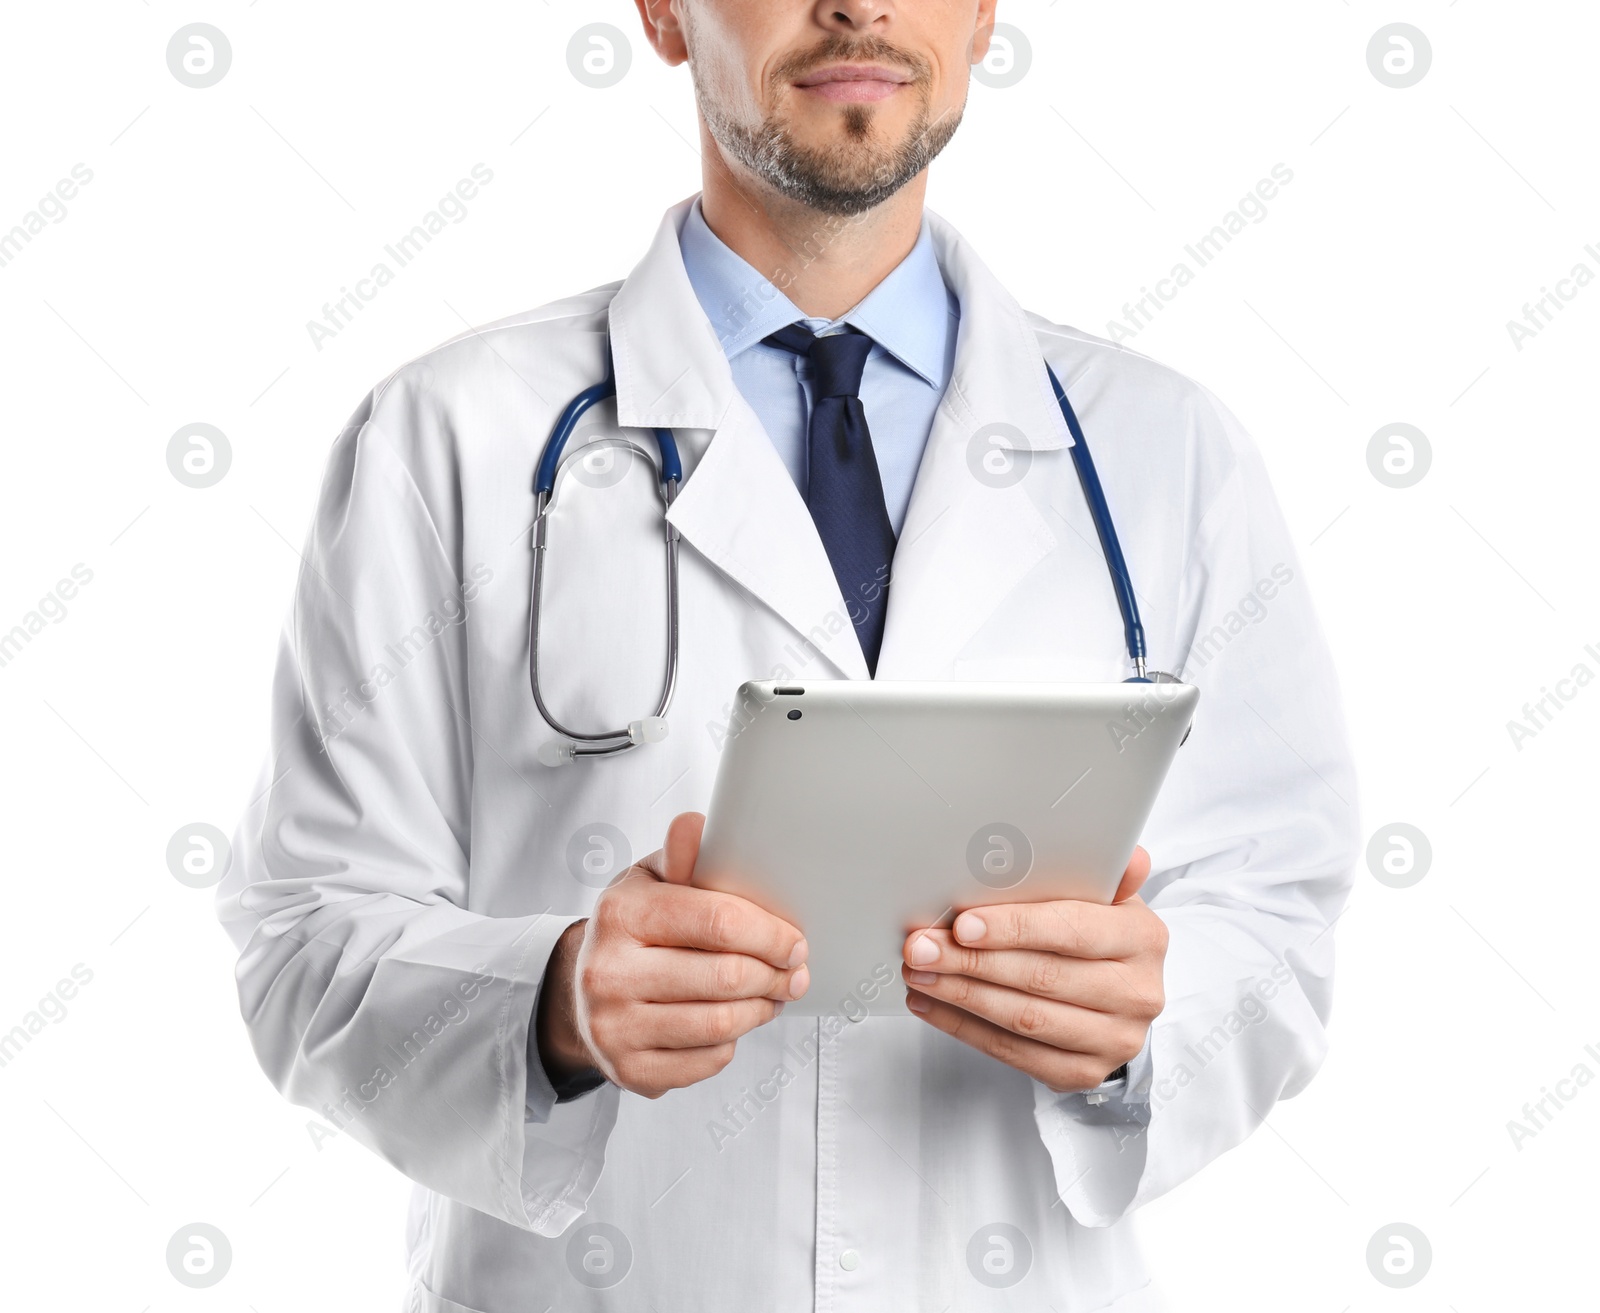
837	48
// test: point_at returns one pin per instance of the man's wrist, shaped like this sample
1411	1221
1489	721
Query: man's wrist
560	1049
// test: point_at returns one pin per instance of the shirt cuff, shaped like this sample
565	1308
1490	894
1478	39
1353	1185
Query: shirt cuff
575	1087
1127	1087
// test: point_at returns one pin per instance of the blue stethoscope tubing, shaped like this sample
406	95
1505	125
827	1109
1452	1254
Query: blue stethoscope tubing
670	475
1106	530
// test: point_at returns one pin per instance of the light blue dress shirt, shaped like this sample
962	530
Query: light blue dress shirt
911	316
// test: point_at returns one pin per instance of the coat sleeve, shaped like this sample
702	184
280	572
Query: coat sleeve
1253	843
372	993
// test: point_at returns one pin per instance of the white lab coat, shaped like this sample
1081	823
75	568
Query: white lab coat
399	883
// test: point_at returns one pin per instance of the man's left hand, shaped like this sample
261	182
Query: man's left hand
1063	991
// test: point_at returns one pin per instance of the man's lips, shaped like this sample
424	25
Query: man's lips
853	83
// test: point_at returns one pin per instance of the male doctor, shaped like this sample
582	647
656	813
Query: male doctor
588	1077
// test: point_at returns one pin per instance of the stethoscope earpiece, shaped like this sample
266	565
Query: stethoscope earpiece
652	729
558	752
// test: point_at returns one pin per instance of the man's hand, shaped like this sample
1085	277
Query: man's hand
655	988
1064	991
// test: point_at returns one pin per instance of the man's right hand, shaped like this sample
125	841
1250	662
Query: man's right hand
658	984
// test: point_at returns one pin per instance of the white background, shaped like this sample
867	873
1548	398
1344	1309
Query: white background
177	290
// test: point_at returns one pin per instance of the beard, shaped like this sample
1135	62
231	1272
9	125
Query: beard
847	177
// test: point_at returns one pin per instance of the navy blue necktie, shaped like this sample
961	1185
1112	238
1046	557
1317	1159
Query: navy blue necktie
845	492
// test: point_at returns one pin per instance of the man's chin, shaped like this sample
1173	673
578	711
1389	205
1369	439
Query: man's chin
842	163
847	160
841	127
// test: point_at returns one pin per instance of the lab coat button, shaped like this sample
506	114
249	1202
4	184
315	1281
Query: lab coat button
849	1260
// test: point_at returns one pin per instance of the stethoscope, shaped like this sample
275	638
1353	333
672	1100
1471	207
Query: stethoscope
653	728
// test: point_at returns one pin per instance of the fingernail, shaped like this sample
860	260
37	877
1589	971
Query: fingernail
799	982
778	1010
799	954
921	977
969	928
917	1002
923	951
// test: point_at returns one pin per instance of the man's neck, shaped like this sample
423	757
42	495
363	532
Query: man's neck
825	263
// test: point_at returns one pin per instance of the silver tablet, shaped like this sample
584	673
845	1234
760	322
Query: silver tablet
862	811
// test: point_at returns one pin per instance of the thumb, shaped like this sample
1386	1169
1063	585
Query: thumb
1134	877
682	847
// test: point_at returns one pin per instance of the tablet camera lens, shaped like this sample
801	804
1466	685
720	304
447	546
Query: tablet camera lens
794	715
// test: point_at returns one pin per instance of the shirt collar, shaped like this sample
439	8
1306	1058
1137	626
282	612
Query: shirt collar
909	314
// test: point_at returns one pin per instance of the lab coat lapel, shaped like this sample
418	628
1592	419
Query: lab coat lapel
738	507
973	531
